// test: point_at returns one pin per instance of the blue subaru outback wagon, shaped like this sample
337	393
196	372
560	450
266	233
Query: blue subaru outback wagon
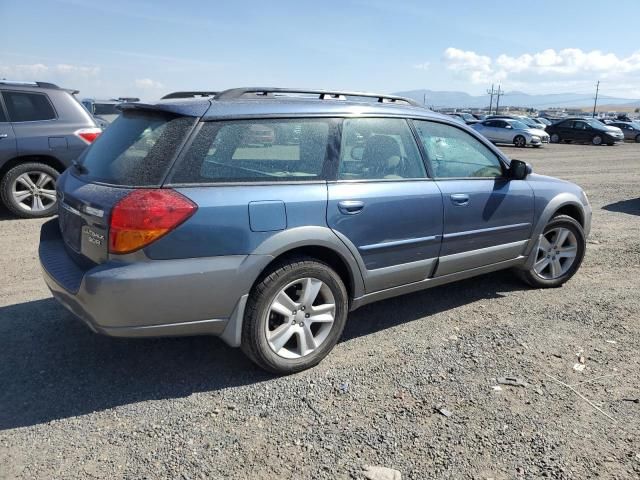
264	216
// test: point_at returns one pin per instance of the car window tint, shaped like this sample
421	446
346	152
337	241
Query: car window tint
28	107
379	149
3	118
454	153
256	151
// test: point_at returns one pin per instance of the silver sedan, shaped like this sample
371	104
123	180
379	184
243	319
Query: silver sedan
511	131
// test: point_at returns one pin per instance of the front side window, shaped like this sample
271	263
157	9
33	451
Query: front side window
28	107
256	151
379	149
454	153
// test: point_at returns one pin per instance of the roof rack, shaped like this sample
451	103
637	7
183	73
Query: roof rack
29	84
188	95
261	92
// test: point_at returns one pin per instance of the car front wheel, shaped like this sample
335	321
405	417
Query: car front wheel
28	190
294	316
520	141
557	255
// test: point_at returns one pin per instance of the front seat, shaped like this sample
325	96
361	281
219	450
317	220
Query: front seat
383	157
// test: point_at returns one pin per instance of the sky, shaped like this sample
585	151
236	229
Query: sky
113	48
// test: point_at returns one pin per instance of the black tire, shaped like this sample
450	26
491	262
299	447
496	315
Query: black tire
596	140
533	279
638	138
254	339
519	141
6	189
555	138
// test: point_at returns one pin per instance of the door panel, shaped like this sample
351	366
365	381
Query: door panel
497	214
396	233
8	148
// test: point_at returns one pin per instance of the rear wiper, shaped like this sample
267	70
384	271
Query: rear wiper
79	167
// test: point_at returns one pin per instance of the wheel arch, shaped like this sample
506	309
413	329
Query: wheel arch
49	160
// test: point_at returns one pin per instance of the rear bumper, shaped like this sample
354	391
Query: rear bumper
195	296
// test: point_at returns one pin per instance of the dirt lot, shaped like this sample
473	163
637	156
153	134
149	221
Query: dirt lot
77	405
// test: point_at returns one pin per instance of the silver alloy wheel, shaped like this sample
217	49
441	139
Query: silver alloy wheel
520	141
597	140
34	191
557	250
300	318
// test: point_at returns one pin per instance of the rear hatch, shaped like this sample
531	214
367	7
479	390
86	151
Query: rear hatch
135	152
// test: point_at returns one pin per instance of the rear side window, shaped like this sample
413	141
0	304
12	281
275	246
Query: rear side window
379	149
256	151
136	150
28	107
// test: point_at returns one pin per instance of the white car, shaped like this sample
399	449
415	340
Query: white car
505	130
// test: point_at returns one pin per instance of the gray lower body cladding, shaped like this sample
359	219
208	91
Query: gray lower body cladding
154	298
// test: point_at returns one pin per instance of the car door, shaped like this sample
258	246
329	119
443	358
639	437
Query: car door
489	129
504	131
487	216
564	130
8	147
382	205
581	131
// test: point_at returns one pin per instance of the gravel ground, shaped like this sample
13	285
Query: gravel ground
412	386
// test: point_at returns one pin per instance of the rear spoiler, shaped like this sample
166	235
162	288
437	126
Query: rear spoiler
196	109
191	94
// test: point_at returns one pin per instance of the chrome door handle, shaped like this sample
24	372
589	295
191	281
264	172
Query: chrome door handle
3	135
350	207
460	199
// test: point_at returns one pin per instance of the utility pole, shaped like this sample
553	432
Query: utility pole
595	101
490	92
498	95
424	99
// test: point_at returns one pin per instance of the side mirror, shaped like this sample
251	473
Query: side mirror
518	170
357	153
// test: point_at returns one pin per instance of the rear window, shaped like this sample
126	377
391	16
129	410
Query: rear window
256	151
105	109
136	149
28	107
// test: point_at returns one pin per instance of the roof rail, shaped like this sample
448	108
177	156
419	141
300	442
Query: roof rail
28	84
262	92
188	95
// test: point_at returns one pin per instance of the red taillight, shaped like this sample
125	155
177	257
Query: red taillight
145	215
88	134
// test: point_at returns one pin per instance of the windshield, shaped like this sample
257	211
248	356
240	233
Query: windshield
136	150
595	123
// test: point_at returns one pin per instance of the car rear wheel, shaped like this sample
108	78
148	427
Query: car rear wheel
638	138
520	141
29	190
555	138
294	316
597	140
557	255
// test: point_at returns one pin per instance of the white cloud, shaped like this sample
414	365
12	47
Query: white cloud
422	66
147	83
40	71
569	64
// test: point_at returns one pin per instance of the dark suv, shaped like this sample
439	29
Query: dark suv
264	218
43	129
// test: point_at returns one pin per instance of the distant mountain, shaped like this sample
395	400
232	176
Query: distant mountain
439	99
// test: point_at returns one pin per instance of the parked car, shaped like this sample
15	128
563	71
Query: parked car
170	225
529	122
43	129
507	130
105	111
544	121
465	117
630	130
584	130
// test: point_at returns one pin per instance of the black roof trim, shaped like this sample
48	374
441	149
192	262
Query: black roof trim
267	92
